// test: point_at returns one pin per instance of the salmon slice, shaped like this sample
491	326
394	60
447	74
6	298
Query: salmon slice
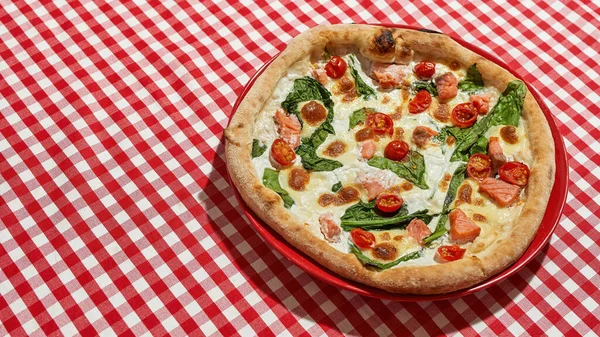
371	184
503	193
495	153
368	149
462	228
289	128
447	86
389	76
418	230
330	229
320	75
421	135
481	103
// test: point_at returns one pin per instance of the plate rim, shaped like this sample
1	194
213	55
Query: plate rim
558	195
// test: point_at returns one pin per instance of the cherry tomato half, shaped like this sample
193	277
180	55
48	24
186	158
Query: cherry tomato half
464	115
336	67
479	166
282	153
380	123
362	238
425	69
396	150
450	253
420	103
515	173
389	203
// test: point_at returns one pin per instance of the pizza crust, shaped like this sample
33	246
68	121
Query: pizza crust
375	44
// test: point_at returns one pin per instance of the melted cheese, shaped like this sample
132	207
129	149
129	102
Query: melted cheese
437	161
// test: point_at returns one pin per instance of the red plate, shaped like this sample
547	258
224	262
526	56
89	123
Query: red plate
554	210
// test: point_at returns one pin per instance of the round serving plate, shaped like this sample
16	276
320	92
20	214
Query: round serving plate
551	218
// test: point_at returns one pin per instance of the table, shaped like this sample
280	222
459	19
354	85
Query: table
116	217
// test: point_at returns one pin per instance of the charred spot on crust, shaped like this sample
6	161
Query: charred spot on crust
385	251
384	42
335	149
405	51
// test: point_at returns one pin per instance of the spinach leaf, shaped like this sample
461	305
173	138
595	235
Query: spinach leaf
308	89
362	88
366	216
506	112
411	168
457	179
308	152
440	230
417	86
380	222
336	187
510	105
479	147
473	81
368	261
257	148
271	181
359	116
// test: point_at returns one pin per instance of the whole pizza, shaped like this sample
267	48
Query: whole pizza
394	157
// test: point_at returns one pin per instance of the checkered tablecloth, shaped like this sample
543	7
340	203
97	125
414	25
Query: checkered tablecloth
116	217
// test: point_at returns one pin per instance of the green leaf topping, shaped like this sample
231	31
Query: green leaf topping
359	116
307	89
411	168
457	179
257	148
336	187
362	88
473	81
506	112
381	266
418	85
271	181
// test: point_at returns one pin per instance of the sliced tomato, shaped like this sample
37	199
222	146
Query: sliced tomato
464	115
479	166
396	150
336	67
380	123
282	153
362	239
389	203
425	69
420	103
450	253
515	173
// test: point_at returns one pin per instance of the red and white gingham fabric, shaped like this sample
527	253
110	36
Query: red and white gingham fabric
115	214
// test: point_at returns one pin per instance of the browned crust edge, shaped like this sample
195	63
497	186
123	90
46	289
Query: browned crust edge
432	279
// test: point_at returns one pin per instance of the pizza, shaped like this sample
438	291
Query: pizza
394	157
